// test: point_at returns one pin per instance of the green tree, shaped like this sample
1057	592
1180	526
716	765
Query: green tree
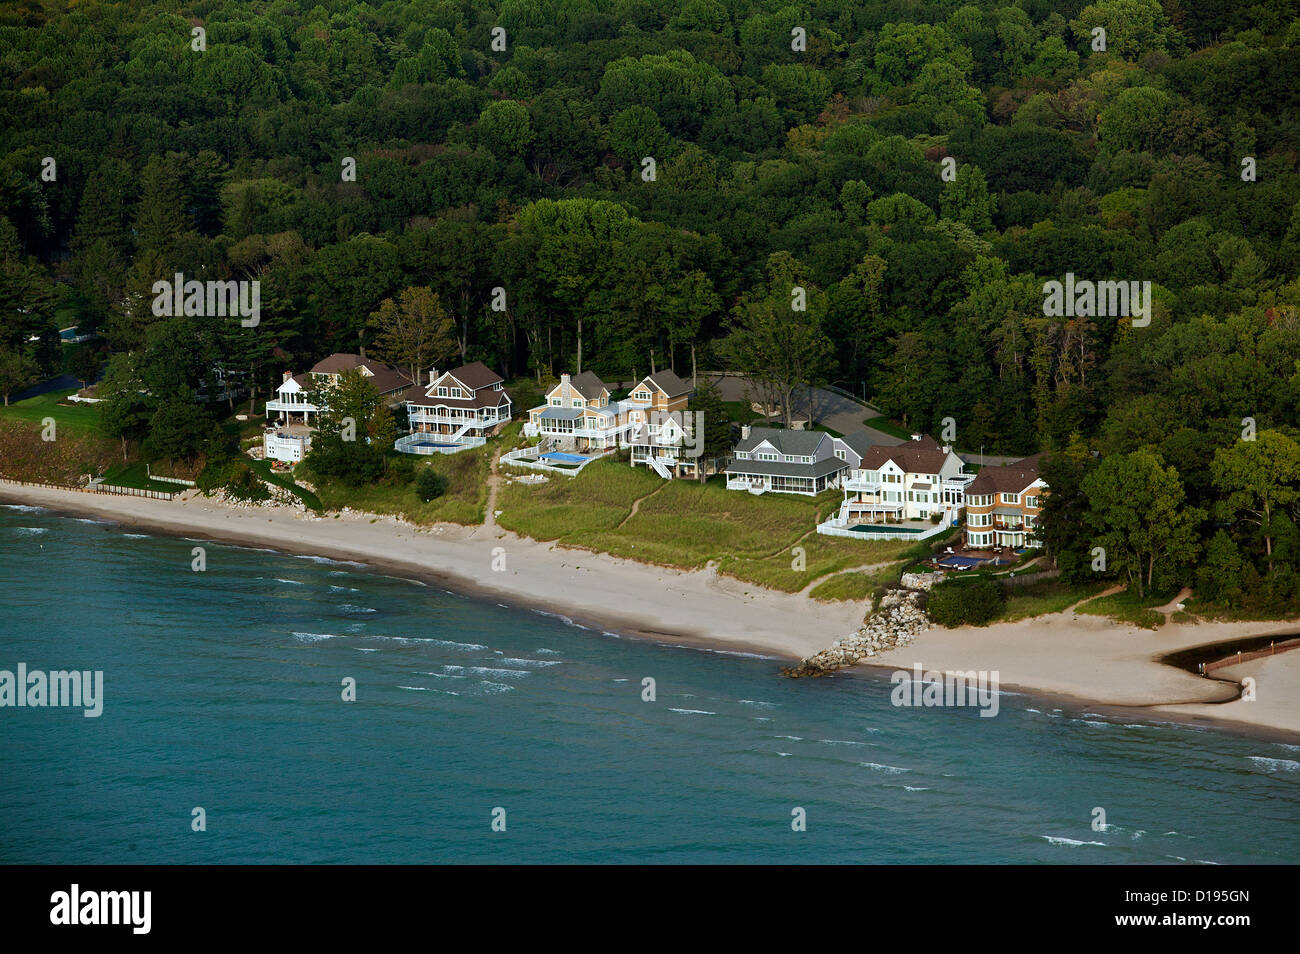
1258	478
1137	511
414	332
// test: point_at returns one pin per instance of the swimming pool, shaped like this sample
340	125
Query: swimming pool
872	528
564	458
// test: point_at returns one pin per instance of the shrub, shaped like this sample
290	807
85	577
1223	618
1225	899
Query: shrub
936	517
959	602
430	484
400	470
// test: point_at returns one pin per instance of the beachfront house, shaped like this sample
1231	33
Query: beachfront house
908	482
456	410
785	461
298	401
1003	505
579	417
665	437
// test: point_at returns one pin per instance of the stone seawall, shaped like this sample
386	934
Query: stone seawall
897	621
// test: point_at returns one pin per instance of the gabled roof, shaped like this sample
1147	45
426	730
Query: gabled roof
788	442
858	442
669	383
1005	479
384	378
923	456
588	385
475	375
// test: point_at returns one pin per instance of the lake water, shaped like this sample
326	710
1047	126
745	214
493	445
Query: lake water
222	690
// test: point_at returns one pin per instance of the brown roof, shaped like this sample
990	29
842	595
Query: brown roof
669	383
588	385
923	456
1005	479
384	378
475	375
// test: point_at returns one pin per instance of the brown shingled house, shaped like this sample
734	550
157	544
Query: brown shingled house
455	410
1003	505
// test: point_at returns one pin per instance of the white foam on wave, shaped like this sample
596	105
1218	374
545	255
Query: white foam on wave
30	531
137	536
439	675
321	559
1071	842
315	637
517	661
887	769
489	671
26	508
492	688
846	741
915	788
343	589
547	652
279	579
353	608
1274	765
761	705
692	711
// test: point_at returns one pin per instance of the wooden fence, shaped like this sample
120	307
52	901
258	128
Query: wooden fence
1238	658
94	487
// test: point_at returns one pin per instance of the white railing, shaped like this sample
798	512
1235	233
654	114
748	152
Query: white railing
431	417
832	528
296	406
419	443
286	447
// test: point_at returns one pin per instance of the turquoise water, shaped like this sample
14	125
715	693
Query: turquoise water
222	690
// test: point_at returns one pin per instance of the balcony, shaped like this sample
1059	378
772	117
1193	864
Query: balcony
487	419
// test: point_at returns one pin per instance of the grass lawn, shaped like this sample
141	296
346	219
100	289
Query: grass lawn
463	503
134	474
850	586
263	469
885	425
1127	607
1046	596
83	418
740	412
684	524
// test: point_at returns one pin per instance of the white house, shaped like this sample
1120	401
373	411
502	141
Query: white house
785	461
907	482
298	401
456	410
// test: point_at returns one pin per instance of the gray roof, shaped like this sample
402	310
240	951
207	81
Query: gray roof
669	383
562	413
787	442
588	385
859	442
776	468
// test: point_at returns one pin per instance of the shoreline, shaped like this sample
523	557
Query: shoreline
701	610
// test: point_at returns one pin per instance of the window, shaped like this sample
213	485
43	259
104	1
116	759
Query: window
1031	502
840	454
766	456
557	402
457	392
577	402
641	396
442	392
1011	498
979	520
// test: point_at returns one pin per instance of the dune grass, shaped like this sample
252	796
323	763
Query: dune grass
1045	596
684	524
1128	607
464	502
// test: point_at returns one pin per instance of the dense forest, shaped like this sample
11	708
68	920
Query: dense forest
618	185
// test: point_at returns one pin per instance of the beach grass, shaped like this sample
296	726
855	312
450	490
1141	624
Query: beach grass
685	524
1128	607
464	502
1045	596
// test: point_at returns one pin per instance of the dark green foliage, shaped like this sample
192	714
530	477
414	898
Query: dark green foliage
430	484
975	602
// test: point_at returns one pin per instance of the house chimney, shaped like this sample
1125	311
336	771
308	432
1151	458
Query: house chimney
947	449
744	432
564	379
916	437
433	375
287	376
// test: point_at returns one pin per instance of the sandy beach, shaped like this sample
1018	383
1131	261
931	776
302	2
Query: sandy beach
1085	658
